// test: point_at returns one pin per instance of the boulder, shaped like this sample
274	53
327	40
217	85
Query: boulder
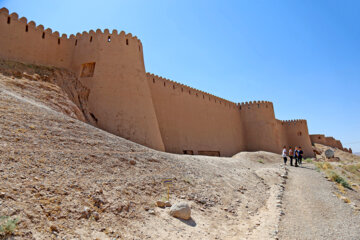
317	151
329	153
181	210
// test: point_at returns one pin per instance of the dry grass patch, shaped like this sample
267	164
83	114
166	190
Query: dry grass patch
333	176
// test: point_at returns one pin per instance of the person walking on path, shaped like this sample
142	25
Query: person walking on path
291	156
300	157
284	154
296	152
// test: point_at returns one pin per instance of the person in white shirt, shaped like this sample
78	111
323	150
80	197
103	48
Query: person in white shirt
284	154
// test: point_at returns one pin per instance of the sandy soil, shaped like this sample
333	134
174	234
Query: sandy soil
52	167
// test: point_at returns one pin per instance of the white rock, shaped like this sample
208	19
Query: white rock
181	210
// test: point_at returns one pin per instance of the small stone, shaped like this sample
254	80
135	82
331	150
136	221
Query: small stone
2	195
86	213
146	208
160	204
132	162
167	204
151	211
53	228
96	216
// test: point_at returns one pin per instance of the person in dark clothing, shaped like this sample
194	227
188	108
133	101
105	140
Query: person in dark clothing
296	152
291	156
300	157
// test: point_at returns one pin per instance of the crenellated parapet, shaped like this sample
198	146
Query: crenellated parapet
26	41
255	105
293	121
105	34
176	86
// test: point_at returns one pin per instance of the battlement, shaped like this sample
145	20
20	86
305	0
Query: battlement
160	81
102	35
293	121
255	105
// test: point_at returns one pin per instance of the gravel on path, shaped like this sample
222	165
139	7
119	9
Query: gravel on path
312	210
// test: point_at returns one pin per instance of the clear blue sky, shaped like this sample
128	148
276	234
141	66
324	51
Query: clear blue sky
303	55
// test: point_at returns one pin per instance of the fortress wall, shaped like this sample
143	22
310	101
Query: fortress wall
281	135
330	141
260	126
196	121
318	138
23	41
111	65
297	134
327	141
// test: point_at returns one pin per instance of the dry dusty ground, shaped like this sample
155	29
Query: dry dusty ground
53	166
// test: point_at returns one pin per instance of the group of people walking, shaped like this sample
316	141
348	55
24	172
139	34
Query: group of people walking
296	155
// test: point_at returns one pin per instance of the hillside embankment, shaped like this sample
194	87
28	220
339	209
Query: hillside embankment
63	178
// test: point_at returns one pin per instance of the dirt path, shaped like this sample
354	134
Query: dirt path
312	211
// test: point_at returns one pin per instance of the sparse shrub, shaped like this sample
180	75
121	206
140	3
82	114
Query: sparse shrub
333	176
261	161
7	225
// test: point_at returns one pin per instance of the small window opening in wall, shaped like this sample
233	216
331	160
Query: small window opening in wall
91	39
319	137
189	152
153	80
182	89
87	69
173	86
109	39
76	42
189	92
8	20
127	41
299	134
43	35
26	28
203	96
240	107
164	84
258	105
59	41
139	48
